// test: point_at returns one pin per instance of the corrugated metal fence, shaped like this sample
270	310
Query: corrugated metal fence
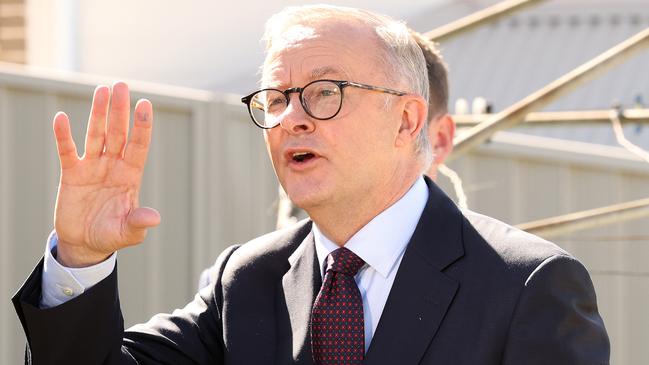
209	176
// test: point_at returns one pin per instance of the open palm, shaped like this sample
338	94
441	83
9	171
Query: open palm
97	209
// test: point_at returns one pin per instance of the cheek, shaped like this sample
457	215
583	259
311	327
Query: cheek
272	144
362	144
368	137
382	133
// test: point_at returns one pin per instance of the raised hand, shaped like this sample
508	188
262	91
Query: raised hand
97	210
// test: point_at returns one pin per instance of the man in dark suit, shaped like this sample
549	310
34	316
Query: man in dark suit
386	270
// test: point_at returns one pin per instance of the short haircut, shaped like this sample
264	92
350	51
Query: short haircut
437	76
402	56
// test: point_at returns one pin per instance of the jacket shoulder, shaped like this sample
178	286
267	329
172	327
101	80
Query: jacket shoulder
507	245
268	253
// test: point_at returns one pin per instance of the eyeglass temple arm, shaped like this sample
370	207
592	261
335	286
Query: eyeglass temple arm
375	88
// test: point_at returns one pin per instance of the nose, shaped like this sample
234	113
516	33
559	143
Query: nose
295	120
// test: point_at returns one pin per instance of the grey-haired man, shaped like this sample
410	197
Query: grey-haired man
386	270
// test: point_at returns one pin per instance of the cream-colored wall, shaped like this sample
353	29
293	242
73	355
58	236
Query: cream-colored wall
207	165
209	176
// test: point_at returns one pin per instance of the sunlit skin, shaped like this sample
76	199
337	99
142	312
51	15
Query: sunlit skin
97	209
365	156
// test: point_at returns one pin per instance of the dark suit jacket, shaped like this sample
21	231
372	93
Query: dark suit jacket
469	290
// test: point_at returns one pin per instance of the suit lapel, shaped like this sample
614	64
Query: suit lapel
421	293
300	286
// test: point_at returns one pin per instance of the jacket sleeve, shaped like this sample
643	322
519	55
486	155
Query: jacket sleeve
556	319
89	329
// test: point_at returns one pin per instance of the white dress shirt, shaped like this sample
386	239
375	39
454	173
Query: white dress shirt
60	283
381	243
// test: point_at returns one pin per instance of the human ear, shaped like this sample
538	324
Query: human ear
413	116
440	134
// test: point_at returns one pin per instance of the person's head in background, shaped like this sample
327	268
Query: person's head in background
441	127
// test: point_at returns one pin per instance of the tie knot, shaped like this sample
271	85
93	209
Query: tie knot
344	261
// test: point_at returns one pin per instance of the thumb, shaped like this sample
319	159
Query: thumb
137	223
142	218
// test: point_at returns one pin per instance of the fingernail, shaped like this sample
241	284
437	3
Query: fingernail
120	84
143	116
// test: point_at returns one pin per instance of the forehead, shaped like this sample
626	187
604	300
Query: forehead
330	49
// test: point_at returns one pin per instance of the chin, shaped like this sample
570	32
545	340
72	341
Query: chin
303	199
305	196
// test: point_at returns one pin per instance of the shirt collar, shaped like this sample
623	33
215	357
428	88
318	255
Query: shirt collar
381	241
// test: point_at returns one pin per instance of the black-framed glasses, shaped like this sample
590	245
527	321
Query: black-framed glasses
321	99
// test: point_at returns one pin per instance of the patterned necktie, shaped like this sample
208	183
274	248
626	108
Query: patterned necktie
337	322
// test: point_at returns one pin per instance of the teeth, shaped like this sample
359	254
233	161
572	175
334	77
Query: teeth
301	156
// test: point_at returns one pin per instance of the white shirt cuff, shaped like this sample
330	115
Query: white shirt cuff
60	283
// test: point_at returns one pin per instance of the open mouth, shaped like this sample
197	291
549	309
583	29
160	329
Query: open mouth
300	157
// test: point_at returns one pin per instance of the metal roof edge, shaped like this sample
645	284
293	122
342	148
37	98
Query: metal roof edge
76	82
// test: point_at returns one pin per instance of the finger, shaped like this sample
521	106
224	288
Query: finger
137	223
64	142
118	120
137	148
95	135
143	217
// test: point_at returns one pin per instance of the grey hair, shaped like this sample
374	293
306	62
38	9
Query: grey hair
402	57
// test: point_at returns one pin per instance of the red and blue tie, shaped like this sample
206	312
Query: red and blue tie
337	322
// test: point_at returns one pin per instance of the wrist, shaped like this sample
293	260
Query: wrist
78	257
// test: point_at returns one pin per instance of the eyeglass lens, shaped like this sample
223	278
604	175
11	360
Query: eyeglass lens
321	100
